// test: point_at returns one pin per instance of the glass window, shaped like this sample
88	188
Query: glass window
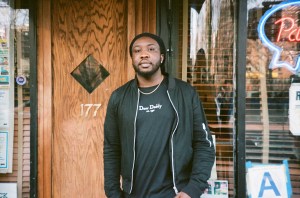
204	56
15	96
210	70
271	112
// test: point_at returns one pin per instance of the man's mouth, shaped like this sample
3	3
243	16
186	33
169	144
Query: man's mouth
145	64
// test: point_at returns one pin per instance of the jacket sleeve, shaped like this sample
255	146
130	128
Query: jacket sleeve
112	152
203	151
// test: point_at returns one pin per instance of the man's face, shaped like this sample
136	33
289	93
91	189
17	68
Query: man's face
146	57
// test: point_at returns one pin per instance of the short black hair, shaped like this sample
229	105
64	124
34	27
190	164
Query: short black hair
150	35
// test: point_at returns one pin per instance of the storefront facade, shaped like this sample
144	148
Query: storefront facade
53	130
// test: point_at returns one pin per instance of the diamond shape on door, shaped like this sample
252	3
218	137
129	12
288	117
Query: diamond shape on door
90	73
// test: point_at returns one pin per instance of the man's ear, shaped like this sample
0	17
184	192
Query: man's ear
162	58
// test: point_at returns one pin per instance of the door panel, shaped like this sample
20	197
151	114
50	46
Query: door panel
79	29
70	161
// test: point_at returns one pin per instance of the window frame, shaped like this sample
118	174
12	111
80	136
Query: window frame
240	102
32	6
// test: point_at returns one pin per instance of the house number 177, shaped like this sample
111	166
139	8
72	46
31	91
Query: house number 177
85	109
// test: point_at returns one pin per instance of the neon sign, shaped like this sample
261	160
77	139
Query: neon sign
287	27
293	33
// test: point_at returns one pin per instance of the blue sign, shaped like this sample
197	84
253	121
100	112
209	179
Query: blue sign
268	180
21	80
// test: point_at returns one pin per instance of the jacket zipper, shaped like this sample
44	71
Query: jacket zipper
134	138
204	128
172	145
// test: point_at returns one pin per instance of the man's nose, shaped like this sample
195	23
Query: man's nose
144	54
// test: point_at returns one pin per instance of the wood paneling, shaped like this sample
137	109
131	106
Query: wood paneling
44	99
70	162
141	17
97	28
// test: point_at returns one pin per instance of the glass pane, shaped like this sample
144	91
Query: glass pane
15	98
273	29
210	69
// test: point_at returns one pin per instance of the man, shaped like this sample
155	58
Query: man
156	136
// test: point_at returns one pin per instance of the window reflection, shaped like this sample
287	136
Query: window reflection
211	71
14	84
267	90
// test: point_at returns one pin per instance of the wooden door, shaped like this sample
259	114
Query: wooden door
70	142
80	29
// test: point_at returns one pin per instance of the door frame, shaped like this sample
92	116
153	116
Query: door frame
33	100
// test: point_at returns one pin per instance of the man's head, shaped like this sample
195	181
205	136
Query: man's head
147	48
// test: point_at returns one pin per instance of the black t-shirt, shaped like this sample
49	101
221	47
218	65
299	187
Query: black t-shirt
152	171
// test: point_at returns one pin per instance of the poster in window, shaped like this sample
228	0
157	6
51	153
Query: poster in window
216	189
4	58
6	88
3	38
4	108
3	149
4	52
8	190
268	180
294	109
4	70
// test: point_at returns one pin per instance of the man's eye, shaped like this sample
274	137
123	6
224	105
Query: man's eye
136	50
151	49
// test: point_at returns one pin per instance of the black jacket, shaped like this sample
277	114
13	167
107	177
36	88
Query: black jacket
192	152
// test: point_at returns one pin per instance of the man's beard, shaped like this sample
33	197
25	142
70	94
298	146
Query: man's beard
146	74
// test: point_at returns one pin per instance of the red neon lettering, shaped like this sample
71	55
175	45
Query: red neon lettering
293	33
298	35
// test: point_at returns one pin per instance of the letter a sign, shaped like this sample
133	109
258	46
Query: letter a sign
264	187
265	181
